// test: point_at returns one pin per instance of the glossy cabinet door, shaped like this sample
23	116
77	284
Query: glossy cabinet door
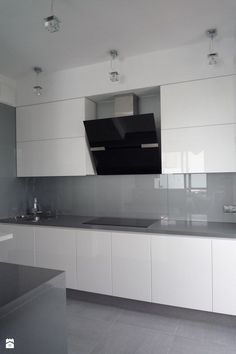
206	149
55	248
131	266
182	271
224	276
51	139
199	103
19	249
53	120
59	157
94	261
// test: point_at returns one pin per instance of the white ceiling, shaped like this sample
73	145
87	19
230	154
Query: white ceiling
90	28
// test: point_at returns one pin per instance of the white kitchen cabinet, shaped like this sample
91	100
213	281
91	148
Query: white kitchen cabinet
182	271
19	249
55	248
51	139
199	103
94	261
59	157
54	120
131	265
206	149
224	276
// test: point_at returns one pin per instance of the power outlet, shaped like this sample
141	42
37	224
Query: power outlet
229	209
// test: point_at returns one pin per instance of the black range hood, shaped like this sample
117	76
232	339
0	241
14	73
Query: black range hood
124	145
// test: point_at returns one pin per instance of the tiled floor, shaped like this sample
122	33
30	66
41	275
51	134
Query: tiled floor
132	327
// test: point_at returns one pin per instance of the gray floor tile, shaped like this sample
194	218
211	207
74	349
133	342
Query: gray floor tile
182	345
206	332
80	344
156	342
97	311
86	327
151	321
231	351
74	306
106	329
121	339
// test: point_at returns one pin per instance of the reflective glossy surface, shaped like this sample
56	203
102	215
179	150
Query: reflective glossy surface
121	222
32	309
121	140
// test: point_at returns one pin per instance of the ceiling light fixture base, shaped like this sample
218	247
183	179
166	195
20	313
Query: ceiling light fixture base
212	33
37	70
114	74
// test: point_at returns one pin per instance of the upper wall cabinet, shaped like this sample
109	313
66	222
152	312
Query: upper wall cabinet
198	121
206	149
199	103
51	138
54	120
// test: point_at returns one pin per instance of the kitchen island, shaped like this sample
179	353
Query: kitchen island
32	310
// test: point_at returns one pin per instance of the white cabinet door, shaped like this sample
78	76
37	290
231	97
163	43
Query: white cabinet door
56	248
60	157
199	149
94	261
54	120
224	276
199	103
19	249
51	138
131	266
182	271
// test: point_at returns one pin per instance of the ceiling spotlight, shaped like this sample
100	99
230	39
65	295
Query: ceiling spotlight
212	55
113	74
52	22
37	88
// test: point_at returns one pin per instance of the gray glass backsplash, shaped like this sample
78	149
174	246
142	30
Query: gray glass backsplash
195	197
13	191
188	197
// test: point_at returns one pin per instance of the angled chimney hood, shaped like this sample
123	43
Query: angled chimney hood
125	144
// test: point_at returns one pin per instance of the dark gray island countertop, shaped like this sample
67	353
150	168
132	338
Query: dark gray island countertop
32	310
19	283
162	226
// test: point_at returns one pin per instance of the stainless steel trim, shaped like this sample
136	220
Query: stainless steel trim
148	146
98	148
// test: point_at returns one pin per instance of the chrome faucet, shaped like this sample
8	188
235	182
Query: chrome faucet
35	209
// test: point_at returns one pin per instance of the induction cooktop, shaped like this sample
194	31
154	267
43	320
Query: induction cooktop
121	222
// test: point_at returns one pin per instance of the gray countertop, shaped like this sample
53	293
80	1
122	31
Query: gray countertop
163	226
19	283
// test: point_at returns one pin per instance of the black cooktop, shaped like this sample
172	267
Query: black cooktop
121	222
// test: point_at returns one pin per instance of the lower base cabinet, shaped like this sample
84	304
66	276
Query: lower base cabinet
56	248
94	261
19	249
182	271
131	266
224	276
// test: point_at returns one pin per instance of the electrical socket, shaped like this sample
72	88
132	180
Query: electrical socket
229	209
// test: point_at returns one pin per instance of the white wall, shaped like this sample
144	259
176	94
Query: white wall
152	69
7	91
